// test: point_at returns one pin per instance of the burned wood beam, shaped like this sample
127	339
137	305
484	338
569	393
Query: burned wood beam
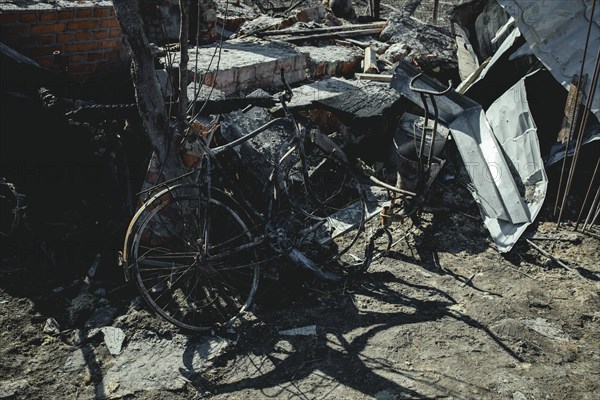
370	31
310	32
374	77
370	61
183	60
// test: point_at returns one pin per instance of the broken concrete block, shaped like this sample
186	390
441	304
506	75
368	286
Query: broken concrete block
10	389
152	363
310	330
430	47
233	14
113	338
262	23
51	327
81	307
304	96
102	317
329	61
246	64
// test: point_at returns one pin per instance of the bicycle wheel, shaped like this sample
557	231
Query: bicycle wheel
194	259
329	209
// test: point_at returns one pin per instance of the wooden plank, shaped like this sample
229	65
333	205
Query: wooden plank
329	29
362	32
370	61
373	77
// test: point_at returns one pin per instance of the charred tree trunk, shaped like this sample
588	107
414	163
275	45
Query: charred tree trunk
166	163
183	63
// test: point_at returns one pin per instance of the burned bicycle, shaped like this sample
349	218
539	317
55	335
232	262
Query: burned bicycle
195	248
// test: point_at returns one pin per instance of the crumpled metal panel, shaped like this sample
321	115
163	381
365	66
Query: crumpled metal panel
496	190
513	125
556	32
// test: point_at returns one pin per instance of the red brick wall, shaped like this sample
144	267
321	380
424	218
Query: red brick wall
88	38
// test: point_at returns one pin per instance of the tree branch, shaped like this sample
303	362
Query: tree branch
183	63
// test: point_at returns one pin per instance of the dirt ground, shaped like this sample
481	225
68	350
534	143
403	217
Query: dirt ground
443	316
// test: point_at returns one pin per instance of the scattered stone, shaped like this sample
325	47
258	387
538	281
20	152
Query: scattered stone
310	330
102	317
74	337
306	95
9	389
51	327
113	338
544	328
328	61
76	362
430	47
262	23
81	307
153	363
519	396
237	13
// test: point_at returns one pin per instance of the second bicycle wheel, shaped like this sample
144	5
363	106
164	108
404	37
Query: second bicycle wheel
329	209
193	258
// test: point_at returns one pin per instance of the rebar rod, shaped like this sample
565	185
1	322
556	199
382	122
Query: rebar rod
579	88
579	141
587	194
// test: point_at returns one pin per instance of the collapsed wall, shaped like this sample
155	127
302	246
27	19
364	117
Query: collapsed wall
81	38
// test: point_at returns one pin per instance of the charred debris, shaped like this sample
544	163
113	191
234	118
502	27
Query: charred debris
481	99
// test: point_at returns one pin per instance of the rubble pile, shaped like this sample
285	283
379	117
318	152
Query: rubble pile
368	90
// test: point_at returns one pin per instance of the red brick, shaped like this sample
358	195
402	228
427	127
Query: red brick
45	40
41	51
52	28
115	32
109	44
10	30
77	58
100	34
66	14
46	61
95	57
80	47
28	17
81	36
109	23
21	41
85	12
82	24
103	12
82	68
49	16
113	55
64	37
8	18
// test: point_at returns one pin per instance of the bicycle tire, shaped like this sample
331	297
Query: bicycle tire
196	281
330	201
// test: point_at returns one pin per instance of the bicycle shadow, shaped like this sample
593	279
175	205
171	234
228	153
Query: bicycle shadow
314	366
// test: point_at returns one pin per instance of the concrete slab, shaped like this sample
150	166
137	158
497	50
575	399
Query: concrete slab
153	363
244	65
331	60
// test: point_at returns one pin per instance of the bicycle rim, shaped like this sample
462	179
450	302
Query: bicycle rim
329	207
187	260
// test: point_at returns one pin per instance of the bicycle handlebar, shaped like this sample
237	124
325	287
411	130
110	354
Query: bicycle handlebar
427	91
